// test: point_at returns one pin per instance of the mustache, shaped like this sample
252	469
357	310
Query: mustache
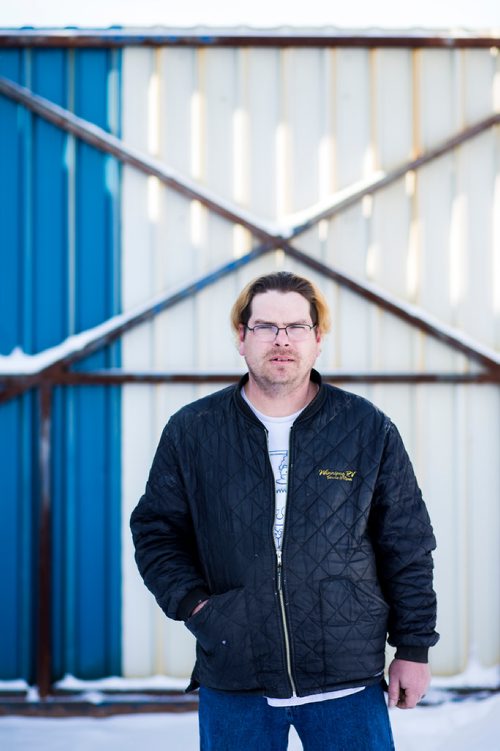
282	353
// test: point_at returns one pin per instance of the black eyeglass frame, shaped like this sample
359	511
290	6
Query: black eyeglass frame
277	329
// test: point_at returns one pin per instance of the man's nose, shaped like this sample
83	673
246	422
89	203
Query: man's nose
281	338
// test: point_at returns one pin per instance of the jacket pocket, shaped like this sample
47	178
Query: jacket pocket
223	642
354	621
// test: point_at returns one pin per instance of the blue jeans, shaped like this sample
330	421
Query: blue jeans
230	722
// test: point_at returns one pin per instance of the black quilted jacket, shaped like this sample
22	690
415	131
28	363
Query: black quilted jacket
356	554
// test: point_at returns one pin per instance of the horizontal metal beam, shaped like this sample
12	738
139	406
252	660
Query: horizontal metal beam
111	703
114	703
122	377
210	37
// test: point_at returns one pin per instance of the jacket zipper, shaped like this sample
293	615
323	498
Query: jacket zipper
285	625
279	556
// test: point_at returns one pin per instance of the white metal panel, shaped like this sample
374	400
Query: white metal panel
479	161
392	262
138	613
483	516
323	120
475	282
260	108
352	116
393	91
441	473
479	70
440	430
302	110
350	342
348	234
138	653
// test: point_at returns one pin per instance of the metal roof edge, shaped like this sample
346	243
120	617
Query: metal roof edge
247	36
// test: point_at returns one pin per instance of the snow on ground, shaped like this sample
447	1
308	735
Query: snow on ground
466	725
469	725
448	722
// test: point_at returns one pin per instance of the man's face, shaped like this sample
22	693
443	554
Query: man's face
280	362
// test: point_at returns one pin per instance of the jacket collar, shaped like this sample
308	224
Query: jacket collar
308	412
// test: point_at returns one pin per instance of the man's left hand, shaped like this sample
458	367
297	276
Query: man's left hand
408	682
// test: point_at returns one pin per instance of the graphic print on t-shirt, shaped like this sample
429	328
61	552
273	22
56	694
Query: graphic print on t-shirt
279	462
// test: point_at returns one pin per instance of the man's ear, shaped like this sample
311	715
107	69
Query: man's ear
319	340
241	339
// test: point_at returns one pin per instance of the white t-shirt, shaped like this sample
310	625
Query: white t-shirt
278	432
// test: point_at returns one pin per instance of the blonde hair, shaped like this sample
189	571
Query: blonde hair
281	281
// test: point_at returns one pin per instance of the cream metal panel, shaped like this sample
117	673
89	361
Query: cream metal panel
483	510
347	236
276	131
137	404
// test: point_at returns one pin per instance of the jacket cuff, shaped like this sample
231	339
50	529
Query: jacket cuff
412	654
189	602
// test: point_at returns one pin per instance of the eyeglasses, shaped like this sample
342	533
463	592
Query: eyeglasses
267	332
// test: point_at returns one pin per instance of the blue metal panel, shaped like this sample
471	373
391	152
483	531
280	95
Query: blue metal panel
59	249
16	470
49	201
16	548
91	614
10	155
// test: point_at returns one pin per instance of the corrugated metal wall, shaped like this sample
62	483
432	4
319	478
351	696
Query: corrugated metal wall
277	130
60	274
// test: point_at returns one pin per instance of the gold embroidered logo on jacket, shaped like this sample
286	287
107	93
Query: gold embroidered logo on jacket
334	474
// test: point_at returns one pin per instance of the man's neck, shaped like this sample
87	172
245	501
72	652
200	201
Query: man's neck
280	400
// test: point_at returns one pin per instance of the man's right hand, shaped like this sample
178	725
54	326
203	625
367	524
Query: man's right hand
198	607
408	682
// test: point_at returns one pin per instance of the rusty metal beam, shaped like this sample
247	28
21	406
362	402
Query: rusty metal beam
110	144
103	140
348	197
44	600
16	384
111	704
121	377
406	312
210	37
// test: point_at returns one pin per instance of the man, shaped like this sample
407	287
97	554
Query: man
283	523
